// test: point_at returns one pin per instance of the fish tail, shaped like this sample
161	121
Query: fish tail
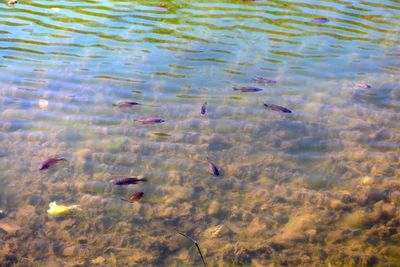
143	179
236	89
64	159
266	105
114	105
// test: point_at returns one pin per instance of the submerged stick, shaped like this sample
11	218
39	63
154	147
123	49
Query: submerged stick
197	245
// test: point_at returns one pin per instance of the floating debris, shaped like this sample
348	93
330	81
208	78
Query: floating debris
57	210
50	162
128	180
151	120
264	80
247	89
213	169
278	108
125	103
203	108
43	104
196	244
135	197
363	85
319	21
12	3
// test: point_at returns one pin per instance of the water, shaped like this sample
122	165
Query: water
319	186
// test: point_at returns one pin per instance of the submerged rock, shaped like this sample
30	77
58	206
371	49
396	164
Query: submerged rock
257	227
296	228
370	195
214	208
241	255
358	219
9	226
25	214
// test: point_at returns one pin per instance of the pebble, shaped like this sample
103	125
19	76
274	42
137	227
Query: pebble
367	180
97	261
336	204
70	251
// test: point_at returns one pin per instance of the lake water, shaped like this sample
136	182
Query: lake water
316	187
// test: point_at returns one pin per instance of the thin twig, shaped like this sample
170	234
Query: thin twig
197	245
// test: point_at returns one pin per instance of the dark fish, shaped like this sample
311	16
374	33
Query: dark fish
319	21
196	244
151	120
264	80
213	169
203	108
128	180
135	197
363	85
125	103
50	162
278	108
247	89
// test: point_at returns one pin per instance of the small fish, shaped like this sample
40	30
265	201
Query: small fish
213	169
247	89
203	108
162	134
363	85
278	108
135	197
128	180
50	162
319	21
196	244
12	3
264	80
125	103
151	120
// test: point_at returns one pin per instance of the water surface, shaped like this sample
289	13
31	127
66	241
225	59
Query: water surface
319	186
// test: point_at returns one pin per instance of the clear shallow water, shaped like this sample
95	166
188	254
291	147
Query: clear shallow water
293	186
